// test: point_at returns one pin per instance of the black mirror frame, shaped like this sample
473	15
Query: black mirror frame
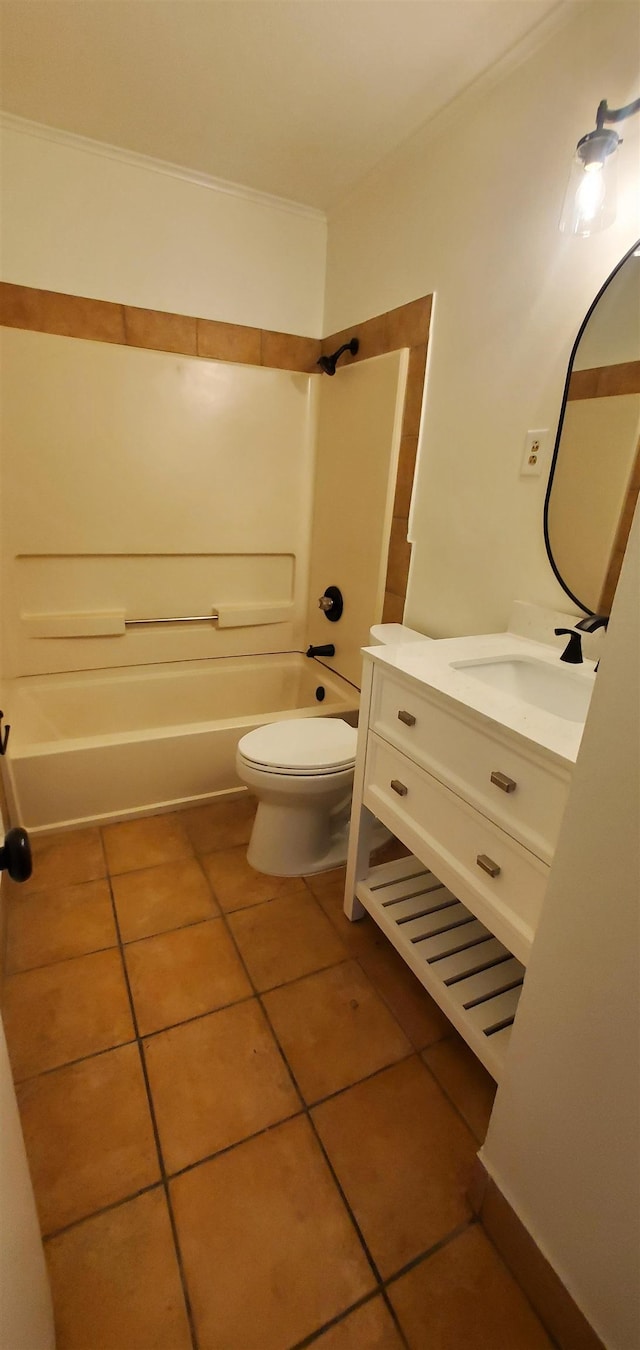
547	543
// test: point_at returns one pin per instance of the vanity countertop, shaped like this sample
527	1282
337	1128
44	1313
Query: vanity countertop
446	665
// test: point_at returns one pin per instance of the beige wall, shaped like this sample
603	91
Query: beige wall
145	483
563	1143
359	420
469	209
116	227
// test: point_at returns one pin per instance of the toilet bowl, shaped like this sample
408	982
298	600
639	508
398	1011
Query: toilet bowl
301	770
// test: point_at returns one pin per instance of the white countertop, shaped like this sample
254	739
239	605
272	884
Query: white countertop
430	663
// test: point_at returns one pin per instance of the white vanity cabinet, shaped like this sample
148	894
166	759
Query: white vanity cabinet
480	809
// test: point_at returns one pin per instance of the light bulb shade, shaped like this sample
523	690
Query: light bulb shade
590	199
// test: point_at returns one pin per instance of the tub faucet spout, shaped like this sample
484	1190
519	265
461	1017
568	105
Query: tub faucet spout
327	650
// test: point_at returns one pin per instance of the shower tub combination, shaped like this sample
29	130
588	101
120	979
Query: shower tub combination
106	745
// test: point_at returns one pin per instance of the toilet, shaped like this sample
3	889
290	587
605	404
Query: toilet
301	770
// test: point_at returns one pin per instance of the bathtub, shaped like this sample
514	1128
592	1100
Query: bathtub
110	744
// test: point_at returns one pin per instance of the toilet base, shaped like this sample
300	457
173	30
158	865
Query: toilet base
290	846
302	821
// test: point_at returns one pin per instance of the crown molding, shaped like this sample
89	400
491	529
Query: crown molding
11	122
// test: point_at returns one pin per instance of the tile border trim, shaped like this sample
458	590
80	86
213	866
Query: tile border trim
77	316
604	381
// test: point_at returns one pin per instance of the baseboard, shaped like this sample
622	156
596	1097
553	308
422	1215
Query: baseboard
559	1314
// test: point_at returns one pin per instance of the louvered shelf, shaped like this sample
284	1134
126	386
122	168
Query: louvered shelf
470	974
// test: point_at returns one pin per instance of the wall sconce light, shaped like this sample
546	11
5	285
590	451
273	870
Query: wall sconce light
590	199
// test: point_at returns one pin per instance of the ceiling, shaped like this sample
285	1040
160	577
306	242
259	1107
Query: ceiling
299	98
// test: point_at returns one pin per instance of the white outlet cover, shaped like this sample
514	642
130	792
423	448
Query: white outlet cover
534	453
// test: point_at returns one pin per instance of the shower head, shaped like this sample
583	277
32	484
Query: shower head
328	363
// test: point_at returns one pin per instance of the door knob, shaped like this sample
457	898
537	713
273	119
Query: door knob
15	855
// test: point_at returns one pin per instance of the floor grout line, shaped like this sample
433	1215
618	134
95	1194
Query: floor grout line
307	1113
420	1053
383	1288
121	946
61	960
424	1255
381	1284
156	1134
104	1209
72	1063
255	904
449	1098
357	957
218	913
314	1336
212	1012
162	932
394	1317
305	1109
197	1017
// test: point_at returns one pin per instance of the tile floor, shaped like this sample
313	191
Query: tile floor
248	1126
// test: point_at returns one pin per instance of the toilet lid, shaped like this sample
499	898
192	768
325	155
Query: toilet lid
302	744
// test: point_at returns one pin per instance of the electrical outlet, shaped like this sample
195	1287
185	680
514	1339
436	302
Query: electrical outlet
534	447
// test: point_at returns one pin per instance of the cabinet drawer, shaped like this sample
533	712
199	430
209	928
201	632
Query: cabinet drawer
451	837
522	794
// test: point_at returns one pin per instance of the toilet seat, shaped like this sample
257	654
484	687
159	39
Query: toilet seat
301	746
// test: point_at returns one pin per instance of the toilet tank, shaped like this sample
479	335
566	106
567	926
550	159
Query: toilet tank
391	634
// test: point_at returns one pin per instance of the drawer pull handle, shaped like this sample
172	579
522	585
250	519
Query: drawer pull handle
399	787
488	865
502	781
407	717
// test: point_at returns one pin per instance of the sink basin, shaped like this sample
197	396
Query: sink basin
565	693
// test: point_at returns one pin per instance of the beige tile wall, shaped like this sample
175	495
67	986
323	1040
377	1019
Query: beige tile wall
102	321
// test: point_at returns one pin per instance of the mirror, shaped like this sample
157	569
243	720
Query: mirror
595	471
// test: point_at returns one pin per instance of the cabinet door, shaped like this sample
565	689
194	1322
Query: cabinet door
501	882
523	794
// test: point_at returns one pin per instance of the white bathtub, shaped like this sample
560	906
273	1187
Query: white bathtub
104	745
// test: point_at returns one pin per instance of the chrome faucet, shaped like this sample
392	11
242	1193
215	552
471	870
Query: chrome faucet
572	653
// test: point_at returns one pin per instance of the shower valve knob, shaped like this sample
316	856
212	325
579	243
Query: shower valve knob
332	603
15	855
